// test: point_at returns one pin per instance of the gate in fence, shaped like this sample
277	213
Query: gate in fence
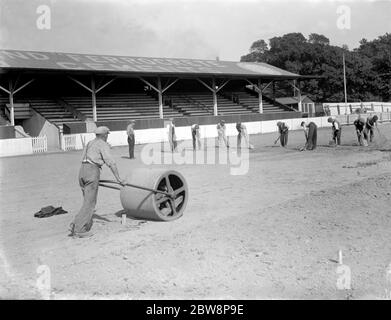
40	144
69	142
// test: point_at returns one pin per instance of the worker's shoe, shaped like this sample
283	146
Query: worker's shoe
71	229
86	234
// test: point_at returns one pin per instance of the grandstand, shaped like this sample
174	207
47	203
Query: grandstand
50	109
67	90
121	106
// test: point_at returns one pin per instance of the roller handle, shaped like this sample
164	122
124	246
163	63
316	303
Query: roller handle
102	183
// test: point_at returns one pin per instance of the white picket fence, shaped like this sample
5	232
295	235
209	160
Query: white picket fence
21	146
69	142
340	108
75	141
40	144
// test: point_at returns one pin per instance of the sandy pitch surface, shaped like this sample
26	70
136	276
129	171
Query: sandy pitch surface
273	233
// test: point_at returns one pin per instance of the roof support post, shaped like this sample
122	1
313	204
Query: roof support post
297	87
160	95
93	90
274	91
11	98
258	88
159	91
105	85
300	107
93	96
214	91
11	92
293	84
169	85
260	97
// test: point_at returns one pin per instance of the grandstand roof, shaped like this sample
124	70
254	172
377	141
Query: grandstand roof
15	60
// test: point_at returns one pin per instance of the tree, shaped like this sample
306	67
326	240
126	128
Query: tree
368	68
259	46
315	38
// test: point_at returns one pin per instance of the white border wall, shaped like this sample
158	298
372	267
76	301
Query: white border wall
13	147
119	138
339	108
23	146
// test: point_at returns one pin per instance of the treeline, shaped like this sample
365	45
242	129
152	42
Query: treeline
368	67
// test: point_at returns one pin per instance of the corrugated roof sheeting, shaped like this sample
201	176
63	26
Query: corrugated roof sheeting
34	60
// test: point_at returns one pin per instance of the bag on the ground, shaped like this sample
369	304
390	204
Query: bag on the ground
49	211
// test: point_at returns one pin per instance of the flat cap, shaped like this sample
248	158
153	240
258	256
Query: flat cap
102	130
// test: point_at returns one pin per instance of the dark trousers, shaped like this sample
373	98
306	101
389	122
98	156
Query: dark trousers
284	138
312	136
89	175
196	140
173	144
359	136
369	130
337	136
131	142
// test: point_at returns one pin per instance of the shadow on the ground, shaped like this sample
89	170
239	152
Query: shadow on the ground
123	211
98	217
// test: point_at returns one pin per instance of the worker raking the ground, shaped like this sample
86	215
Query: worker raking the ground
131	138
336	130
242	133
283	130
221	134
359	125
370	124
196	137
95	155
311	135
172	135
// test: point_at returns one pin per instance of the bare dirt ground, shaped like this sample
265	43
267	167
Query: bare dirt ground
273	233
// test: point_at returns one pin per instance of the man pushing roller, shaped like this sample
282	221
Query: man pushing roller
95	155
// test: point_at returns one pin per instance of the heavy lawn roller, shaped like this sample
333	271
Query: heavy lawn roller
162	198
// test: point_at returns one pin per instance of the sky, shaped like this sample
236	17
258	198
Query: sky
193	29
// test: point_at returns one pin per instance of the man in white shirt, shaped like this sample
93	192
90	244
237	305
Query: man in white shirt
195	134
221	133
242	133
172	135
336	130
131	138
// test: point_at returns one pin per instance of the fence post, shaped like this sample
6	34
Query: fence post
61	139
45	141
